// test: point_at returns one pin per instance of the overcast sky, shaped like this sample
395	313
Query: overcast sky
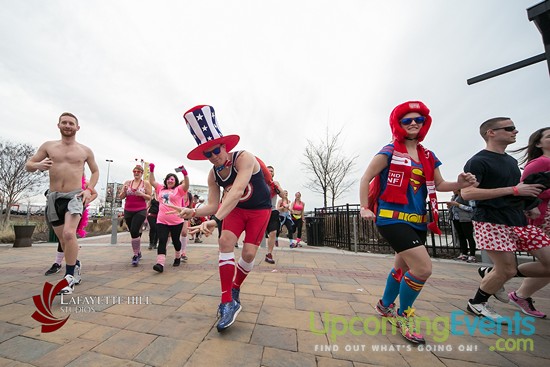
278	74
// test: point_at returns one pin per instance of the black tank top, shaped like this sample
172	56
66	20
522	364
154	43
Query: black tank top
255	196
154	208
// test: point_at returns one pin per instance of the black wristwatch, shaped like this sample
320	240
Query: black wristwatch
218	221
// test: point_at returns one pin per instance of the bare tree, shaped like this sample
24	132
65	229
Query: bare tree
338	185
328	167
14	179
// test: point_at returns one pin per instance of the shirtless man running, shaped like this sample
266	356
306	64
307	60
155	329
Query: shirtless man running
65	159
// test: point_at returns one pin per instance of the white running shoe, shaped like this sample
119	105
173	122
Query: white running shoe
485	310
70	288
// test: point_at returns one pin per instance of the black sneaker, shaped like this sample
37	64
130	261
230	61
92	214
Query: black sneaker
177	262
54	269
184	258
158	267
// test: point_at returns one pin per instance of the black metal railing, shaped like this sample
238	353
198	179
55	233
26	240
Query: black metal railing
343	227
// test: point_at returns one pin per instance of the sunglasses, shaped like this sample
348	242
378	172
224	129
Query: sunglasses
506	128
409	120
215	151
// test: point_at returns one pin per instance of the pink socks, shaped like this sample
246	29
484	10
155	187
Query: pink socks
136	245
161	259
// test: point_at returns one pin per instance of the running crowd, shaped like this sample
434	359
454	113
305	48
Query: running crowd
508	210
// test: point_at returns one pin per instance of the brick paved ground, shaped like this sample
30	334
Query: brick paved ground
287	318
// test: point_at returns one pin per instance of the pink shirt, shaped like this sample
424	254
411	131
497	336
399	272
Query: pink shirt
297	207
135	203
540	164
173	196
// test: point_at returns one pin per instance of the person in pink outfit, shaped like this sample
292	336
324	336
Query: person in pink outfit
285	218
297	210
170	192
137	193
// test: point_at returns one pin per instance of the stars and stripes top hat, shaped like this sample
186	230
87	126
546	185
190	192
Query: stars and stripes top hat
201	121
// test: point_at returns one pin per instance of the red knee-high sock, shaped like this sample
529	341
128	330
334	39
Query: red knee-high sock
227	273
243	268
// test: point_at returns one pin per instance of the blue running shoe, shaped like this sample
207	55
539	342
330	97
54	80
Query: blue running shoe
235	294
228	314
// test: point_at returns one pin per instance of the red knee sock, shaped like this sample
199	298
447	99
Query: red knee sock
227	273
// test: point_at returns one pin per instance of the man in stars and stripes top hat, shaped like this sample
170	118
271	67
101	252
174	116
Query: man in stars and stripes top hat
244	204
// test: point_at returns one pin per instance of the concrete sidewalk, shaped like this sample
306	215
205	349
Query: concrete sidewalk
293	312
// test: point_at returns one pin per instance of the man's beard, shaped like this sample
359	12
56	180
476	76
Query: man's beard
68	134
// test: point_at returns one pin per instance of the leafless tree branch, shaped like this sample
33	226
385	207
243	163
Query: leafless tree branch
14	179
328	168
